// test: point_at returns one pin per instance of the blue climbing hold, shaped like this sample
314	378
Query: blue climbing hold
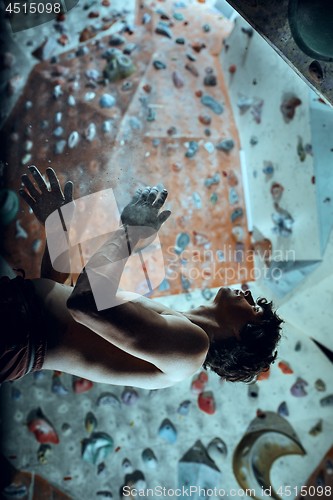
168	431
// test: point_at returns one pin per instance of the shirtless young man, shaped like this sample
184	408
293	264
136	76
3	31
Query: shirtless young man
138	342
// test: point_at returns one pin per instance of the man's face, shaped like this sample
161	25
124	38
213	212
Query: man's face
235	309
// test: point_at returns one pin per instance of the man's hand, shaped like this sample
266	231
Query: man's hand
45	201
144	207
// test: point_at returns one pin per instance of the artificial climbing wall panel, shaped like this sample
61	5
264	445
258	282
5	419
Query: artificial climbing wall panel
168	122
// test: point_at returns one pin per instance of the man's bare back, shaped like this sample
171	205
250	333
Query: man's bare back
76	349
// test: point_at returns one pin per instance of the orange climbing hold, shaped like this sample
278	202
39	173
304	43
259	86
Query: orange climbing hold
264	375
199	383
285	368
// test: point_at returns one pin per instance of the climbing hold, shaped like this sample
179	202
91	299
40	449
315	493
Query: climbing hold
209	147
232	69
283	410
41	427
300	149
254	140
9	206
200	239
288	107
217	448
210	181
177	79
225	145
107	101
104	493
57	386
268	169
206	402
116	40
108	399
212	104
256	109
71	101
320	385
276	191
151	115
317	428
159	65
180	40
58	131
298	388
127	466
97	447
59	147
129	396
20	232
149	458
285	367
90	132
192	69
233	196
197	200
253	390
205	119
210	80
206	28
15	393
81	385
168	431
43	452
163	29
178	16
327	401
89	96
90	422
192	149
182	240
264	375
236	214
184	407
107	126
199	382
73	139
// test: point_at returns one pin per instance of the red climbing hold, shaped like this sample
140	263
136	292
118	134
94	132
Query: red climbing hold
82	385
206	402
285	368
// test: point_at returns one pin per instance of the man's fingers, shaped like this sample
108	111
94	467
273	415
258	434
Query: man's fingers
68	191
38	178
145	193
164	216
161	199
30	187
27	198
137	195
152	195
54	181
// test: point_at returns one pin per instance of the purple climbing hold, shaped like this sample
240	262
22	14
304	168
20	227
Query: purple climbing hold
129	396
298	388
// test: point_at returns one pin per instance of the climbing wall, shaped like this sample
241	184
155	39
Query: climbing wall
163	119
89	440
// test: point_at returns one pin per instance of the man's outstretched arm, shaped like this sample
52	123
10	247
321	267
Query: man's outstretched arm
44	201
172	343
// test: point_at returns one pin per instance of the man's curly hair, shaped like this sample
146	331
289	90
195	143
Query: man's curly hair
243	360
